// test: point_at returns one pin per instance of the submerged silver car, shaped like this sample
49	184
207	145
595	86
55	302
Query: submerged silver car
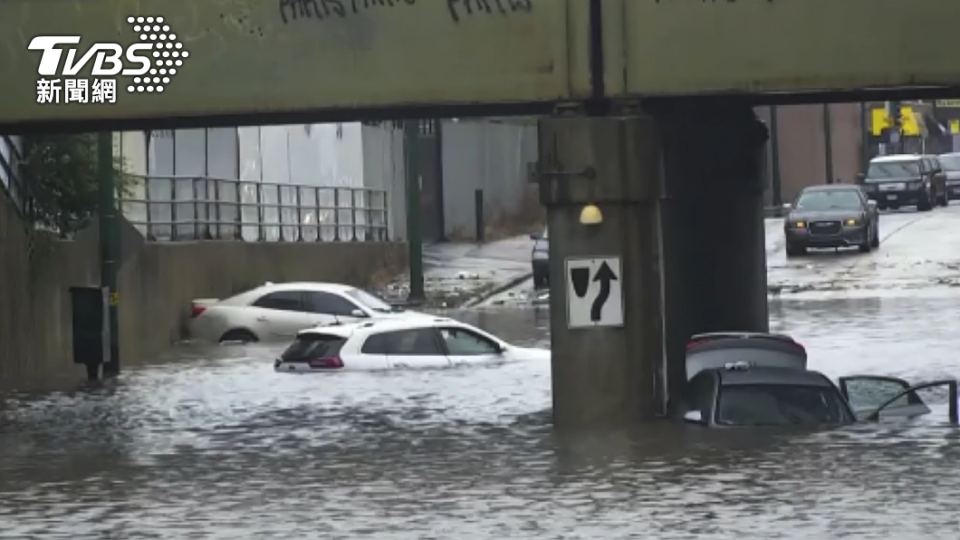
755	379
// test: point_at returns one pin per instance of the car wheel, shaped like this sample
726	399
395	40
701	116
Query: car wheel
875	241
866	245
239	335
925	205
794	250
539	280
945	199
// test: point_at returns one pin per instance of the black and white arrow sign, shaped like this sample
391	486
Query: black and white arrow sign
594	292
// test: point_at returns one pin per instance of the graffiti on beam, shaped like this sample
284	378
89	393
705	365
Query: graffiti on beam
462	9
319	10
705	1
459	10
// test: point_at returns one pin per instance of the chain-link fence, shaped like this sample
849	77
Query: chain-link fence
172	208
10	181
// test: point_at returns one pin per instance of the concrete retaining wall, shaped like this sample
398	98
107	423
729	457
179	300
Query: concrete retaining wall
157	282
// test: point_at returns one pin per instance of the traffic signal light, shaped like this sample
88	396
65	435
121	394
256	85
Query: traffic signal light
896	114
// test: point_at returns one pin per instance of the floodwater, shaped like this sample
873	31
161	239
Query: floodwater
216	445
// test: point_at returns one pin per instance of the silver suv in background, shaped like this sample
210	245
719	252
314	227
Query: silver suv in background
540	259
951	167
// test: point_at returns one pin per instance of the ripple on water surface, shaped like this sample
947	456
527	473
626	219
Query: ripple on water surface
217	445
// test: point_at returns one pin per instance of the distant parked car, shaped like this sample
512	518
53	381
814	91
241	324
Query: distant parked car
411	343
905	180
540	259
832	216
951	168
279	310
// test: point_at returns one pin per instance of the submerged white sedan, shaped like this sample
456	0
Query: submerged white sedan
410	343
278	311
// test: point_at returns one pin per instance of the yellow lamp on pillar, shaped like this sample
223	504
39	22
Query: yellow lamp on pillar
591	215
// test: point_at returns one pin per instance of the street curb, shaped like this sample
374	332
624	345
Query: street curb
496	290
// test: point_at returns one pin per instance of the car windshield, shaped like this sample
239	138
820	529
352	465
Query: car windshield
950	162
780	405
369	301
829	200
893	169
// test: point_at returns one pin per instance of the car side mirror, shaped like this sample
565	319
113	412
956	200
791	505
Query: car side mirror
534	236
693	417
872	203
358	313
787	206
501	349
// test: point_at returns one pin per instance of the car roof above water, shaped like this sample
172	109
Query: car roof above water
772	375
831	187
896	157
375	325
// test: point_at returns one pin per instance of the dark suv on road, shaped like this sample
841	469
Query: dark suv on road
905	180
951	168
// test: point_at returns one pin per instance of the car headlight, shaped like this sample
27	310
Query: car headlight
916	185
798	224
852	222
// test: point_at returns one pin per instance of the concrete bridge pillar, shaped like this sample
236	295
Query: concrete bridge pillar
712	223
680	192
606	372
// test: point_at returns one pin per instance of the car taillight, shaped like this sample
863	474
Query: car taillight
692	344
197	310
326	363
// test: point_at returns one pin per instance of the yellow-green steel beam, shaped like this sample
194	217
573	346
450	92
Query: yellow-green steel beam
253	56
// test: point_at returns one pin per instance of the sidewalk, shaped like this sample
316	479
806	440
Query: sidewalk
464	274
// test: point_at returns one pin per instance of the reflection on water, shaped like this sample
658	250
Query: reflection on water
217	445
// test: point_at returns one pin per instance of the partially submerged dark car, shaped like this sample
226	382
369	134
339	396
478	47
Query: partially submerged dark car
831	216
754	379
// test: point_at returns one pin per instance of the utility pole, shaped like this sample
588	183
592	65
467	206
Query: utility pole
828	142
109	224
411	153
775	158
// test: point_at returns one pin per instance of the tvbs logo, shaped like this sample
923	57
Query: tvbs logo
152	61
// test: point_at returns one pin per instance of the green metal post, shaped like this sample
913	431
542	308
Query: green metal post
109	244
828	142
411	147
776	186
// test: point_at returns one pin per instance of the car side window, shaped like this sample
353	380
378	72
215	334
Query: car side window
462	342
418	342
376	344
330	304
281	301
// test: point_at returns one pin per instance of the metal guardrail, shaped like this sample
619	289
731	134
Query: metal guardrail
10	181
178	208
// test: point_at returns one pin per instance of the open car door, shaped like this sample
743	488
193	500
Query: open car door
869	394
953	405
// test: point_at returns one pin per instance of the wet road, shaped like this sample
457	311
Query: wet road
218	446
